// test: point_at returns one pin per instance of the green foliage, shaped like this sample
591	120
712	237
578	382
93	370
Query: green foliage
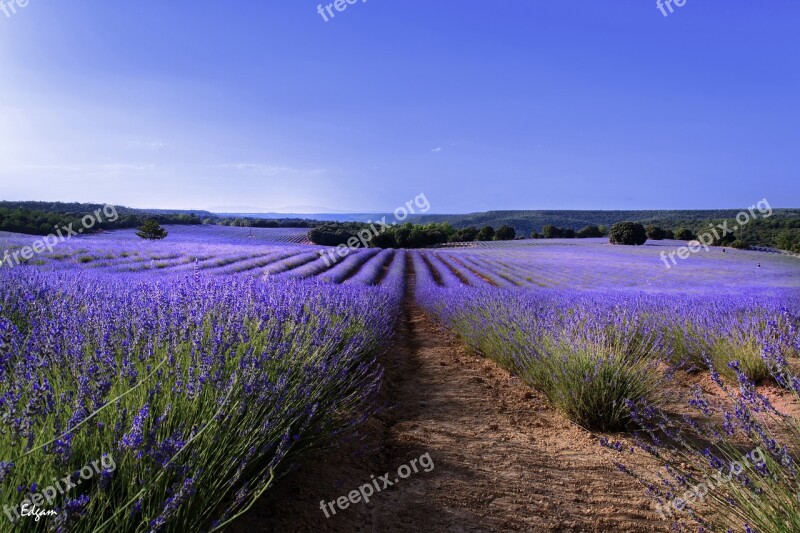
464	235
619	370
152	231
256	222
588	232
588	374
486	233
221	433
505	233
526	222
628	233
381	236
336	233
654	232
788	240
43	218
402	236
552	232
684	234
385	239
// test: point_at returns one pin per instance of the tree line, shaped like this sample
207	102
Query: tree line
405	236
42	218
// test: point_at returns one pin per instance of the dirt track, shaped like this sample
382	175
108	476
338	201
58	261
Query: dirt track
504	460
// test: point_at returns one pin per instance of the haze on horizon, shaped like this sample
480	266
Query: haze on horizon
517	105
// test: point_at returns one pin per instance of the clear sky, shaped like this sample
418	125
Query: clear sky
510	104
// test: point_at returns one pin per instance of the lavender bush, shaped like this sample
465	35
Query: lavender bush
202	389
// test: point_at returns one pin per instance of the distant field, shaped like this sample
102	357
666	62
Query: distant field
523	264
257	321
212	233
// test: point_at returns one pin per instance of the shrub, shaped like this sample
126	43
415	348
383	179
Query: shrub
464	235
588	232
655	233
486	233
505	233
736	437
152	231
788	240
684	234
402	237
182	384
628	233
551	232
384	239
587	354
335	233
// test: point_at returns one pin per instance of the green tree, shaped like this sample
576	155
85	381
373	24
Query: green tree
628	233
505	233
551	232
465	235
655	233
486	233
788	240
152	231
588	232
402	236
684	234
385	239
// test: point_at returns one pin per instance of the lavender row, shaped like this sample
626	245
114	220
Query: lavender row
201	388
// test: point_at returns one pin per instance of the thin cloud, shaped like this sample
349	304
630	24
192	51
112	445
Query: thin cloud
268	170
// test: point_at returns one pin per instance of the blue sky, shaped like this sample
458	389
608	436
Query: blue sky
514	104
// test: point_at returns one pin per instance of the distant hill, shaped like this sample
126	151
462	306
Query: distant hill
325	217
41	218
781	229
525	222
83	208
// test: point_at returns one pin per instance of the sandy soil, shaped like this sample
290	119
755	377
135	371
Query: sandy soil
504	460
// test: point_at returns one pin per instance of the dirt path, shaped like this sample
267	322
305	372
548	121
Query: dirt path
503	459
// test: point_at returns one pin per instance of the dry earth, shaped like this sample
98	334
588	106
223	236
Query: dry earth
504	460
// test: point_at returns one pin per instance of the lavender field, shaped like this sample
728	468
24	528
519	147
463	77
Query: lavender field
368	266
198	369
